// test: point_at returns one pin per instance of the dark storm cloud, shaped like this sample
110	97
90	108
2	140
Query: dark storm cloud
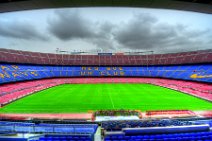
145	32
20	30
142	32
104	38
69	25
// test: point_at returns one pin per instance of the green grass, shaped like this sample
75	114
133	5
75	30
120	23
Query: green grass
75	98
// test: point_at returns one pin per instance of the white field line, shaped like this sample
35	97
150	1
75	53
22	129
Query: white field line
111	101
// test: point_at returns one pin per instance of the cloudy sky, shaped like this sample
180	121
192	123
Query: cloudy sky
106	30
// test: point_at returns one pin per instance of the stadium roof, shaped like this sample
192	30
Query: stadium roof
204	6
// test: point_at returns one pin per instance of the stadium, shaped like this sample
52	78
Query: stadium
107	95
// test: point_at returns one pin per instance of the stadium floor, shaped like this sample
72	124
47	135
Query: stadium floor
81	98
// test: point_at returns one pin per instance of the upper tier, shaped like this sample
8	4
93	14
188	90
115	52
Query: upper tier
15	56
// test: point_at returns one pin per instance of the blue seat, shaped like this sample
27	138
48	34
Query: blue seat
162	137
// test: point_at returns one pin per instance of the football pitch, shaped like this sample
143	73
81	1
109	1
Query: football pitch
81	98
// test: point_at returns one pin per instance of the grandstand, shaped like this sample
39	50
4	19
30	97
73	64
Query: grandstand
20	79
105	96
17	56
